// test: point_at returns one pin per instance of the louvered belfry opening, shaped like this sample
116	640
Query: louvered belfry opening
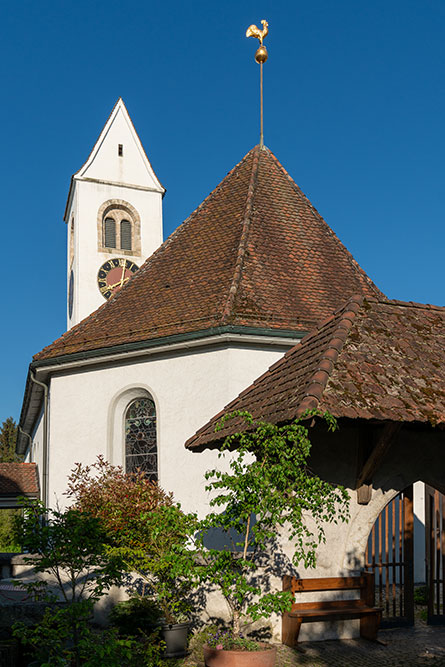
126	235
109	233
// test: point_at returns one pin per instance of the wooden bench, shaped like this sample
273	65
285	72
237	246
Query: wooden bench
331	610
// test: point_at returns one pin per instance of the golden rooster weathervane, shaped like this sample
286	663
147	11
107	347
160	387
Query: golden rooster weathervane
260	57
253	31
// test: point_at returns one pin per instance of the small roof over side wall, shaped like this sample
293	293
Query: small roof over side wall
18	479
372	360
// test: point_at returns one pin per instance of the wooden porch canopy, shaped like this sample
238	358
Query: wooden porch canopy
373	362
17	479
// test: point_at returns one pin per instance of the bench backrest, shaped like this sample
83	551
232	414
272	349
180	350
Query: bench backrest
364	583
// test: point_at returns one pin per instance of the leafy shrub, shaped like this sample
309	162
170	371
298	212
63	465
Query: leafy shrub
117	498
68	546
51	642
135	616
145	530
269	480
421	595
8	541
224	639
198	640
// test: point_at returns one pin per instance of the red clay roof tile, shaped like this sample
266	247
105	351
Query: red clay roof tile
18	479
255	253
390	365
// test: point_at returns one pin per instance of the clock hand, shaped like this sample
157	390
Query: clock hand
118	284
123	273
107	287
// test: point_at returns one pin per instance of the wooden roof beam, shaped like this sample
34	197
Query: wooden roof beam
373	461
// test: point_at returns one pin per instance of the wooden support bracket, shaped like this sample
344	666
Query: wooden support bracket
373	461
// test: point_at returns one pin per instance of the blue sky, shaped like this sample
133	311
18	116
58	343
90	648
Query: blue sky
354	109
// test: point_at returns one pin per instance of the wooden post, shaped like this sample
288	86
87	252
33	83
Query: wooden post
409	553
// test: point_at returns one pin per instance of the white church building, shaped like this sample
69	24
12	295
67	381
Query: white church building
162	335
166	334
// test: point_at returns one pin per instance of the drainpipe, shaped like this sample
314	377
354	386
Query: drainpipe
45	440
27	435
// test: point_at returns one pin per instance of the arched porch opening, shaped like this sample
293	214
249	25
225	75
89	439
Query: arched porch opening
405	551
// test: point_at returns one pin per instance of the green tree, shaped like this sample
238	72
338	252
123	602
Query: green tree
70	547
8	435
144	527
268	489
8	541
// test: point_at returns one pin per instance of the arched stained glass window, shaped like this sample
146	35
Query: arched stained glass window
140	438
125	235
109	233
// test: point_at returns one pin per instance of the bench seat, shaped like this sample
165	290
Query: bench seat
325	610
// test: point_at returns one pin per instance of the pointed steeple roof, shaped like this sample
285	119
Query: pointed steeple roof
104	163
255	254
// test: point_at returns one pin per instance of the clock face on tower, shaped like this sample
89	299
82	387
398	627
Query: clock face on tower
113	274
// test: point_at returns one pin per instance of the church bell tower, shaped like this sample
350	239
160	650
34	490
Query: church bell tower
113	216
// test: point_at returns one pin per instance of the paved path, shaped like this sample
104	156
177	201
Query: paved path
421	645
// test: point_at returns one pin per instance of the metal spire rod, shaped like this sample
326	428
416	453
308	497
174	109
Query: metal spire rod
261	106
260	57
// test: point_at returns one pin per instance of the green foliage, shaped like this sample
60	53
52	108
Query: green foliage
224	639
268	488
199	639
8	541
70	546
149	652
135	616
8	435
421	595
52	644
145	530
159	553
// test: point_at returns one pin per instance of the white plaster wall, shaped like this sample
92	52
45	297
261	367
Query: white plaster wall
87	419
419	533
88	198
87	412
132	167
36	449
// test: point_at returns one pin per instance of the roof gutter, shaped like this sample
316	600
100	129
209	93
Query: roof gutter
224	334
33	399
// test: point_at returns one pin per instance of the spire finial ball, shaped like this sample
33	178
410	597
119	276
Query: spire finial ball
261	55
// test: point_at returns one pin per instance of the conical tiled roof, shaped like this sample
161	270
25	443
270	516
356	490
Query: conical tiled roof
255	253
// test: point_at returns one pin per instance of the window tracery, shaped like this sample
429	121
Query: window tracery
140	438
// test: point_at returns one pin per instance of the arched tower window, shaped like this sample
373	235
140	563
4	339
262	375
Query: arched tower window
126	235
140	438
119	228
109	233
